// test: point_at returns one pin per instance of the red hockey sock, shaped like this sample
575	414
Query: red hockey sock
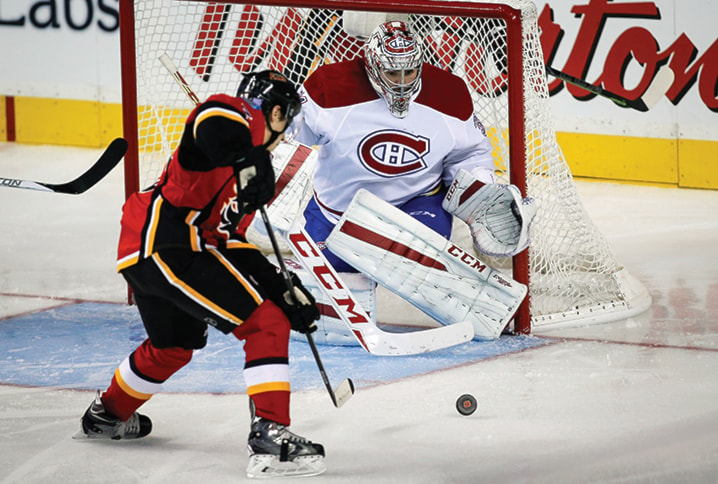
266	369
140	376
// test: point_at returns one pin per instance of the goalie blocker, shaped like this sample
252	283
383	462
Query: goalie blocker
419	265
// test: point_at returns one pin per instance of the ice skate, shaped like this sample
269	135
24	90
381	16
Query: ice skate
274	451
96	423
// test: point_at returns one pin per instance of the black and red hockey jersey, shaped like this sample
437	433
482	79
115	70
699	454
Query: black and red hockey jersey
193	204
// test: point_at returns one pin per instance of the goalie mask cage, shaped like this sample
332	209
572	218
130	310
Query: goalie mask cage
572	274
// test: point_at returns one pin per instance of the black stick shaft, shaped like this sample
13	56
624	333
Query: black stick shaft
290	286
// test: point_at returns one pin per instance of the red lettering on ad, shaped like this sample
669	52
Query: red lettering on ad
635	44
290	43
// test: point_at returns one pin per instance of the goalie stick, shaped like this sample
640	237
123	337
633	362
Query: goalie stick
658	87
346	388
104	164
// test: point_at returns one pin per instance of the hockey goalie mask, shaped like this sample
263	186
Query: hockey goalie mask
264	90
393	59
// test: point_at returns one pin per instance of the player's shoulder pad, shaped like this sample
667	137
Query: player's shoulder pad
225	106
229	102
445	92
340	84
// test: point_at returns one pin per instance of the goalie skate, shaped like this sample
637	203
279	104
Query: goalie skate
274	452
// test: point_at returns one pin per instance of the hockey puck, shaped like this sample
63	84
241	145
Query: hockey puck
466	404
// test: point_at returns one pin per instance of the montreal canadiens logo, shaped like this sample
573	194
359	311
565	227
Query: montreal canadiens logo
392	153
399	45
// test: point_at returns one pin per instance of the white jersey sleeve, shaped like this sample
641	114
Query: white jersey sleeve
310	113
471	153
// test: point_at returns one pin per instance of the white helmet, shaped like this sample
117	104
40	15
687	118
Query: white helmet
393	47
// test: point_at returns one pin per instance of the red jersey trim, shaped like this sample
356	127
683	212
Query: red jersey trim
444	92
339	85
345	83
330	210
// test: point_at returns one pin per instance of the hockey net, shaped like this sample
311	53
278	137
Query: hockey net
573	276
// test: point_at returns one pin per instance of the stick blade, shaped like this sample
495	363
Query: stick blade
659	87
382	343
107	161
343	392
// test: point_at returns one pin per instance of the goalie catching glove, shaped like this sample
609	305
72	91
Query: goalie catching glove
497	216
301	308
255	179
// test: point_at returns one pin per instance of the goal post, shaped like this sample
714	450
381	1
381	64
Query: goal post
572	274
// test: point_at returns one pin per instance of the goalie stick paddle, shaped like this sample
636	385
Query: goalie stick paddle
346	388
656	90
104	164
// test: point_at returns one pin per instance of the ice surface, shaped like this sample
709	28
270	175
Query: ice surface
631	401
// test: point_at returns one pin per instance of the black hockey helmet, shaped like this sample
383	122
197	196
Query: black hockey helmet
266	89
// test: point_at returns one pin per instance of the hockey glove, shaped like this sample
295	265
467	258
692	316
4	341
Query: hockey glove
301	309
499	219
255	179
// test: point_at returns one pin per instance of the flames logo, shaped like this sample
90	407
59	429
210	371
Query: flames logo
229	215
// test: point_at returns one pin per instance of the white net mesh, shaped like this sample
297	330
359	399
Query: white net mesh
574	276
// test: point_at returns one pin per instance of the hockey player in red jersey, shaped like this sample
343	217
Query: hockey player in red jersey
184	253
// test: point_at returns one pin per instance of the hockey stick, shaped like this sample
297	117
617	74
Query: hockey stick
346	388
184	85
656	90
105	163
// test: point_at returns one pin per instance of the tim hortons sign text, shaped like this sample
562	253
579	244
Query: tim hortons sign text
293	49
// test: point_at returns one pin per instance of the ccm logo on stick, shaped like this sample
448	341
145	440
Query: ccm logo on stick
326	277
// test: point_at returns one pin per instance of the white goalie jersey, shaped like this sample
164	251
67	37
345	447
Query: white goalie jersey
394	158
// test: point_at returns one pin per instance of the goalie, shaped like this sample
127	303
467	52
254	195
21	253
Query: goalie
405	133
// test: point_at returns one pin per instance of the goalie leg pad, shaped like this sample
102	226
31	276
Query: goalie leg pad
419	265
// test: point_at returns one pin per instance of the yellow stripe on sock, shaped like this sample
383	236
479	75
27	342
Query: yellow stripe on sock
128	389
275	386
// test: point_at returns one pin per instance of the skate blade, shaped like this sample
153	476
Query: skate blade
80	435
264	466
